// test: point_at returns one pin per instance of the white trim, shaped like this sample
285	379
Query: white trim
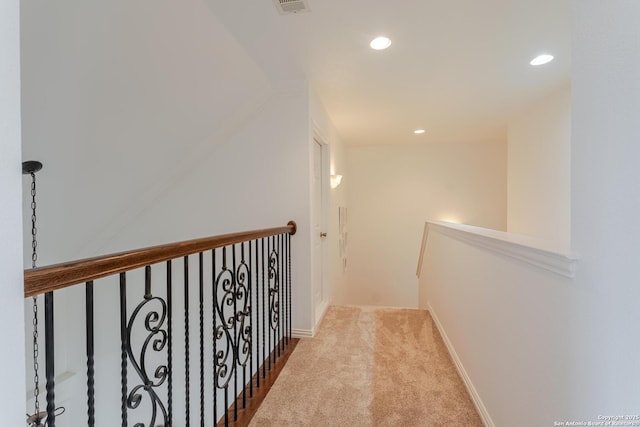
475	397
302	333
538	253
318	133
423	246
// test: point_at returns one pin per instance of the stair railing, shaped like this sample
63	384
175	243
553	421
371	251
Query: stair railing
205	322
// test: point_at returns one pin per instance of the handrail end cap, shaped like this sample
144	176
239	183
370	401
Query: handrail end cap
295	227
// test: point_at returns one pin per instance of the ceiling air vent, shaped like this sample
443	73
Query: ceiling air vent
287	7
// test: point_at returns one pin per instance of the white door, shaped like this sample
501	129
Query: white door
319	294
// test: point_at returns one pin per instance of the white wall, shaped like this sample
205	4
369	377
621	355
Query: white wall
606	207
119	99
12	357
539	169
509	326
392	190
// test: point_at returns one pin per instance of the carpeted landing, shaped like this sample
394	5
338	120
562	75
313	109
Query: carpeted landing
370	367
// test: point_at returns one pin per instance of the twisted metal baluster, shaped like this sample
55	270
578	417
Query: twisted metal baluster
235	334
201	307
49	359
186	340
289	277
90	354
264	323
251	328
123	349
215	338
170	343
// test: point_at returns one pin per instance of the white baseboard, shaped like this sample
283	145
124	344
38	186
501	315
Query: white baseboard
477	401
320	314
301	333
306	333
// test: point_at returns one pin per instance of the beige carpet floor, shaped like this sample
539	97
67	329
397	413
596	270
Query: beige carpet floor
370	367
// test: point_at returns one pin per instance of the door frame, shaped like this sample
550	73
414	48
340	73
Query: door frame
320	307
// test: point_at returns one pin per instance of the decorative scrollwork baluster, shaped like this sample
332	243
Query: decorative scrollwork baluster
224	301
243	296
273	276
274	284
243	317
225	355
155	341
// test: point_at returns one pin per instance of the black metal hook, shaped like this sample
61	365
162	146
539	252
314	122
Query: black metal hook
30	167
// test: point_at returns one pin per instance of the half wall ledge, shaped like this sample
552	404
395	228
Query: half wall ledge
536	252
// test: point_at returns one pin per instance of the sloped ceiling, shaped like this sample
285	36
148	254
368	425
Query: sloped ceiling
460	69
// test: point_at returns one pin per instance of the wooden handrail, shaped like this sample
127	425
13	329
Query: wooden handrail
46	279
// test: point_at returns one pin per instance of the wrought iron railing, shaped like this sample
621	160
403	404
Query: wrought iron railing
234	310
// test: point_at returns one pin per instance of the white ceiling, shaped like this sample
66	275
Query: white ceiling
458	68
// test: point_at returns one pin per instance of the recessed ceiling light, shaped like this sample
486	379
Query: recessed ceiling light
380	43
541	59
418	131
